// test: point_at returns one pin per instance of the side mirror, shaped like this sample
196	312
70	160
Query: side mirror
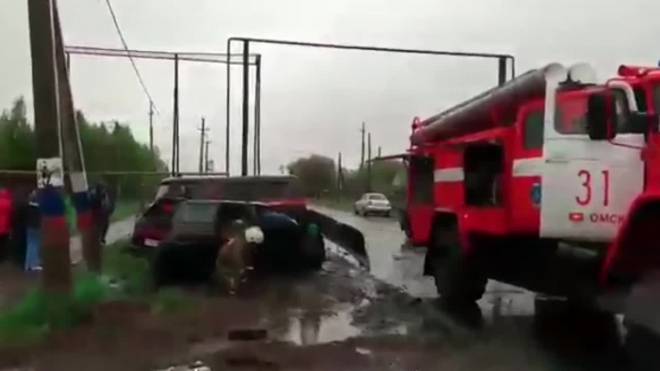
601	116
643	122
639	122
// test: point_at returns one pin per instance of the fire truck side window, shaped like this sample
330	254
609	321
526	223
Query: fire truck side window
622	112
640	98
533	129
483	165
421	180
571	115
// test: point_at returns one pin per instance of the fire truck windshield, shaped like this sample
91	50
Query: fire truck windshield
570	117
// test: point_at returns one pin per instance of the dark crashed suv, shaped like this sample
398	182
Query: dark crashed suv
190	248
276	193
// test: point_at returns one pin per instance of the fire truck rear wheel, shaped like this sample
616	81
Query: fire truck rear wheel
458	279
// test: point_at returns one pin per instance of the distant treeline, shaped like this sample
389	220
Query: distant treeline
106	147
319	177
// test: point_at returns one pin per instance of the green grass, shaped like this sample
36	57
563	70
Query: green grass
134	276
30	320
124	209
131	271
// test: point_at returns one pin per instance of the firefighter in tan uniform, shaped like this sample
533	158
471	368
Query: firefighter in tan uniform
236	253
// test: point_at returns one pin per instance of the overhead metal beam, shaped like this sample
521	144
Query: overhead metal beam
158	55
501	58
203	57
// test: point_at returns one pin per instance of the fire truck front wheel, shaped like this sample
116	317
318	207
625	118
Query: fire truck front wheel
458	279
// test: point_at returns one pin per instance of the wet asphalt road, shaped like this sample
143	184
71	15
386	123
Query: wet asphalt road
542	329
394	263
116	231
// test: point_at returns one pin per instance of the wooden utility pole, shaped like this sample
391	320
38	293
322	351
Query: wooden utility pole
175	119
363	131
74	162
206	156
369	163
202	136
151	127
340	177
55	256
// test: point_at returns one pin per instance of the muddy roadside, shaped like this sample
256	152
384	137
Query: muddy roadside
132	335
339	317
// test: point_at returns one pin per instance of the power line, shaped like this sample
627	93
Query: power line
130	57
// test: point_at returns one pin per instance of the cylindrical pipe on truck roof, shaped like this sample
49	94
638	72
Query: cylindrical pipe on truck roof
475	114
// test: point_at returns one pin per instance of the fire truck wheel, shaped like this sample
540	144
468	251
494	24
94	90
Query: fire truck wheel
457	277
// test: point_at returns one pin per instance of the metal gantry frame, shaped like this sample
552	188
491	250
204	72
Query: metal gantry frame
203	57
502	78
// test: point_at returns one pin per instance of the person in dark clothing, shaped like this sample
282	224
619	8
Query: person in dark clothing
101	209
19	225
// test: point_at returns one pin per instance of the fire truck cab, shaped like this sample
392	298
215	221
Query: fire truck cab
508	184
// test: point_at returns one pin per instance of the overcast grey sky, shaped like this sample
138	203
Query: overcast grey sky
315	100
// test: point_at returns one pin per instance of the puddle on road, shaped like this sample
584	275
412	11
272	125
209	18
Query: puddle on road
311	329
337	251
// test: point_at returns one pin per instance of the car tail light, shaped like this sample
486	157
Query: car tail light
151	233
167	208
164	208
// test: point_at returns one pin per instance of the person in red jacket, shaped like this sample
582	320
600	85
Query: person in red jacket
5	221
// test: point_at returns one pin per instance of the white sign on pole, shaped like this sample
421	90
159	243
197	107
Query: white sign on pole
50	172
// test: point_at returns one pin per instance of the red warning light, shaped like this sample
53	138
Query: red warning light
627	71
576	217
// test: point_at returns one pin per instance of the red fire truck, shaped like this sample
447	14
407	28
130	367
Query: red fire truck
546	182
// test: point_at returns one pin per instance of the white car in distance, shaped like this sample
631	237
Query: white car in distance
373	203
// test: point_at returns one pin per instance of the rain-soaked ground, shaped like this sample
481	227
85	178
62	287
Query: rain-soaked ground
388	319
345	318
